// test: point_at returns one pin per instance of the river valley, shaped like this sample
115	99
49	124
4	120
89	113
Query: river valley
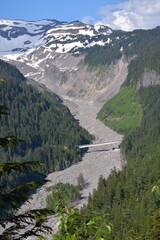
96	162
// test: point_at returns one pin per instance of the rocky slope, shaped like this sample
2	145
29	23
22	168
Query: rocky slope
52	53
84	89
68	76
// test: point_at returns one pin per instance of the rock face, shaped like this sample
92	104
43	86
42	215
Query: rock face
149	78
52	53
68	76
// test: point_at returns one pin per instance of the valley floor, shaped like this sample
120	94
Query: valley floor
96	162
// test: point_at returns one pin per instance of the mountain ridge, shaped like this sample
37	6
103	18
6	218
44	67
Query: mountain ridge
33	34
76	59
63	71
127	194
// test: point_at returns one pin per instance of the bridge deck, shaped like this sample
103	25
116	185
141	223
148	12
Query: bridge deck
116	143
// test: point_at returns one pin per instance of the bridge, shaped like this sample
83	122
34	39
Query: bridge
111	144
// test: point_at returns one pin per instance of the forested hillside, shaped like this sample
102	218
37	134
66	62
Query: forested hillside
139	43
127	204
50	132
124	112
129	200
127	195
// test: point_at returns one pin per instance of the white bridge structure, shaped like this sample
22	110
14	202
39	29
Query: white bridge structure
112	145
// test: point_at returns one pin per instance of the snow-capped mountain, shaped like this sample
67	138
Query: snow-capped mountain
17	36
52	53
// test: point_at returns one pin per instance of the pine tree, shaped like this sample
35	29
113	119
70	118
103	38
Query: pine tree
11	223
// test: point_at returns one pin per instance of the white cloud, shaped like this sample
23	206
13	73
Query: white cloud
126	20
131	14
88	19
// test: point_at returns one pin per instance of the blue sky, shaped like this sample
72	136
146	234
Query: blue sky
67	10
117	14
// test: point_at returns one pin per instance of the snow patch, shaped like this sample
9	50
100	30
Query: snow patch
98	26
63	48
18	43
108	41
121	49
87	32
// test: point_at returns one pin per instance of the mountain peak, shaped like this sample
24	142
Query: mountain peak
18	36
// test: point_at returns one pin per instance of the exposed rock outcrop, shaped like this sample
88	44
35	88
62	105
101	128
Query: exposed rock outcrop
149	78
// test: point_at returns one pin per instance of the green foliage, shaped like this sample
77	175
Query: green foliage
33	222
50	131
34	116
128	194
156	188
123	112
11	225
9	141
9	167
98	55
146	46
142	44
73	225
1	80
132	195
81	181
64	78
11	200
61	190
3	110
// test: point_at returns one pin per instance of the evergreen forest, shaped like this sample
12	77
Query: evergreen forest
127	197
50	132
127	204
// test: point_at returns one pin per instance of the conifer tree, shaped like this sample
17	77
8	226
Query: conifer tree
10	223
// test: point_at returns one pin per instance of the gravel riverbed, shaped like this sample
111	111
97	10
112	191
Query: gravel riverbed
96	162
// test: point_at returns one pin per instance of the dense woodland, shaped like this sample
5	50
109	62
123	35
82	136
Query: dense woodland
126	200
127	195
140	43
50	132
123	112
124	206
60	190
